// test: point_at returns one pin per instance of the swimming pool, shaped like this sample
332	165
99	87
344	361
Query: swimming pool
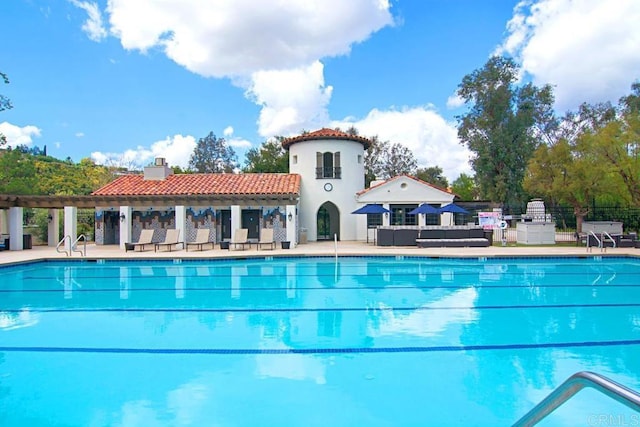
376	341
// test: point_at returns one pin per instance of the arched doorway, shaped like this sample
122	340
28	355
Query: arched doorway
328	221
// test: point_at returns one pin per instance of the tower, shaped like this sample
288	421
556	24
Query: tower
331	166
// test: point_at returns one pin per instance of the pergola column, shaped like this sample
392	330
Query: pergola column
291	225
53	229
236	219
4	221
125	225
70	226
181	222
15	229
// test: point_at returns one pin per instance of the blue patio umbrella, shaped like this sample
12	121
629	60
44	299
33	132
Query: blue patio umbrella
371	209
453	208
424	209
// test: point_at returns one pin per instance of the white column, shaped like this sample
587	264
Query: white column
386	218
422	220
4	221
53	229
236	219
181	222
446	218
291	225
15	229
70	225
125	225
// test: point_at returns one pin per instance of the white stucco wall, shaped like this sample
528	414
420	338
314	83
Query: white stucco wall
401	190
312	191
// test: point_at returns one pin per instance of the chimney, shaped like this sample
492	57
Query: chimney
159	171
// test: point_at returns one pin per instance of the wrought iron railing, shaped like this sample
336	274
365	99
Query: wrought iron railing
329	173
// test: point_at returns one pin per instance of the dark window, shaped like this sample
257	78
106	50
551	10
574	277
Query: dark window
374	220
399	215
328	165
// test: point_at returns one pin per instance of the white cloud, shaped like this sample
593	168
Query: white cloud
588	49
265	47
93	26
79	134
227	38
240	143
17	135
291	100
228	131
176	150
433	140
454	101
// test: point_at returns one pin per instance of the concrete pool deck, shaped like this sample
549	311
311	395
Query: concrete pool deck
345	248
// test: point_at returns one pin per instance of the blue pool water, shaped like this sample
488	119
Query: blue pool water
379	341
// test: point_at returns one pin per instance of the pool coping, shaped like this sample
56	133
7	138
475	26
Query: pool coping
315	249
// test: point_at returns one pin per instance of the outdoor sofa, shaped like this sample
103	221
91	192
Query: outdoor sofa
434	236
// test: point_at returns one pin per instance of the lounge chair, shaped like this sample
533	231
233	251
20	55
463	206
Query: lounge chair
266	238
202	238
239	238
146	237
171	239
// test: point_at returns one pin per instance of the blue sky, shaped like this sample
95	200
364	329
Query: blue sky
125	81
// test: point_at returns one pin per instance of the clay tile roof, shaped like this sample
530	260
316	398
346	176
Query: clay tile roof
326	133
205	184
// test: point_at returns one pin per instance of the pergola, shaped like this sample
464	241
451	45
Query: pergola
12	223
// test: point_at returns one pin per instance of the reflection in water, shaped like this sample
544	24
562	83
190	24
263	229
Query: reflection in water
290	280
294	367
68	282
428	323
235	308
22	319
237	273
125	283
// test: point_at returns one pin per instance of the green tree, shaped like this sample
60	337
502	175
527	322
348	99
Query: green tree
5	104
465	187
433	175
503	127
213	155
17	173
384	160
568	174
270	157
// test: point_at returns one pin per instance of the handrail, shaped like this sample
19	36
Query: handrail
610	238
61	242
75	244
591	233
573	385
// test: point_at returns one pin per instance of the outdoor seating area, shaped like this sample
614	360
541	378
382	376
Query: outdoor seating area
606	234
434	236
453	238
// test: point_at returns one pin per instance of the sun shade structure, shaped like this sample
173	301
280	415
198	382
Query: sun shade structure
424	209
453	208
371	209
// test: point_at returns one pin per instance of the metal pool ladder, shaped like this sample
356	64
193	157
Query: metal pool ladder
573	385
73	247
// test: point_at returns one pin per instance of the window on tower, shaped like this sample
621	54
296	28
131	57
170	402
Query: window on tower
328	165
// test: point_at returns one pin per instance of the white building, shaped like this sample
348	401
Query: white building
314	201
